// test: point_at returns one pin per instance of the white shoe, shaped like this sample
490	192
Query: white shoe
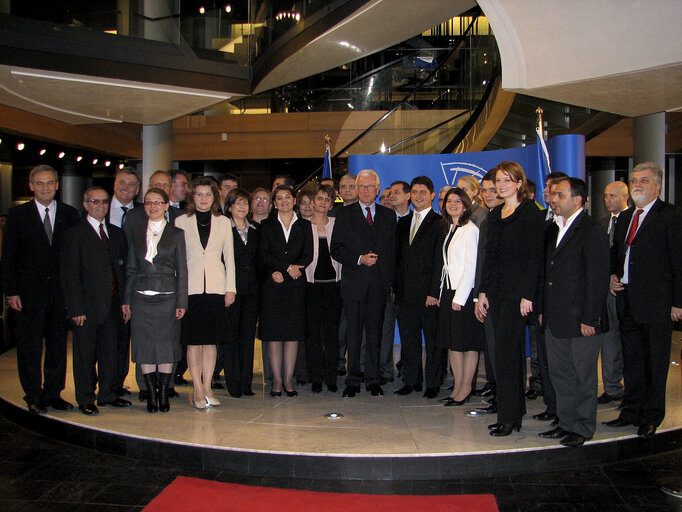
212	401
195	403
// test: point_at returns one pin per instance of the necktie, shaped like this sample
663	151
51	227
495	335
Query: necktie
107	246
369	216
415	226
550	214
123	217
48	225
633	227
612	229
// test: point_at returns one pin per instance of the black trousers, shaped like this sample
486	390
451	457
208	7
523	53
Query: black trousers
509	353
123	350
97	344
365	313
646	358
44	317
238	351
322	335
548	392
413	319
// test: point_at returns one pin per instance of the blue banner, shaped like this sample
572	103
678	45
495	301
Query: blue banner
566	153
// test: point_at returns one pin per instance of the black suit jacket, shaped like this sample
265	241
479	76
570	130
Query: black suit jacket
353	237
246	261
86	270
29	262
655	271
417	271
108	217
576	278
276	254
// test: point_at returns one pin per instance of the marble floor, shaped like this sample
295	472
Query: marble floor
367	426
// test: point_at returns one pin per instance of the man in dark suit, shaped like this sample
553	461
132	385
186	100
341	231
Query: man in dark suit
364	243
417	286
573	310
137	217
179	188
93	257
646	278
30	267
616	200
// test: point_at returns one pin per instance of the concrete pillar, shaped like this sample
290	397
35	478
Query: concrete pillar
649	139
602	172
72	183
157	150
5	187
165	29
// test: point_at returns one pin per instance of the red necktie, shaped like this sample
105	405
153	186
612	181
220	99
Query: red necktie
369	216
107	246
633	227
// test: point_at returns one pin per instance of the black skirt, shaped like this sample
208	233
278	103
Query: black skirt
458	330
282	315
206	321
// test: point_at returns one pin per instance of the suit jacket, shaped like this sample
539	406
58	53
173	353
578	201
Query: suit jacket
168	273
137	216
29	262
353	237
86	268
276	254
417	271
108	217
246	263
655	271
459	261
576	278
210	269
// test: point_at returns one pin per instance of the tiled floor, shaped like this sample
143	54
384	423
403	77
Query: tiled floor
40	474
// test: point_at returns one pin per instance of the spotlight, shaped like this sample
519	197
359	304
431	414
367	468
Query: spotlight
228	8
121	166
43	151
107	163
21	146
79	158
94	161
61	154
202	10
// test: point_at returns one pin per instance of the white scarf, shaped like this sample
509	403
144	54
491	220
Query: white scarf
154	232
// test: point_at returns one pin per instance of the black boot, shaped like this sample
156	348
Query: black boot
152	397
164	381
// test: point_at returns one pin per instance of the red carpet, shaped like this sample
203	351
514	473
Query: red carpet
190	494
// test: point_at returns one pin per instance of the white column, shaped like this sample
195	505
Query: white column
157	150
648	133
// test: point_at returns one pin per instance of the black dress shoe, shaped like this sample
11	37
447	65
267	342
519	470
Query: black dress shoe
494	426
492	409
301	382
646	431
405	390
431	393
417	387
555	433
88	409
123	392
573	440
248	392
60	404
119	402
544	416
179	380
316	387
485	391
332	387
36	408
605	398
375	390
505	429
216	384
617	423
350	392
555	421
235	393
532	394
143	395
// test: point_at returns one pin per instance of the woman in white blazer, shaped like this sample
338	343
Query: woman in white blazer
457	323
212	284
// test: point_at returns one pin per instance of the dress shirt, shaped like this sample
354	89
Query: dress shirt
53	211
95	225
423	213
564	225
625	279
177	205
550	215
116	213
398	216
287	231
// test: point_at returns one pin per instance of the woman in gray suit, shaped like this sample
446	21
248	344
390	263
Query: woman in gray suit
156	297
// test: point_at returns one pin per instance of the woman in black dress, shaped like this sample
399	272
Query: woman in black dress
212	284
286	249
156	297
457	323
243	314
511	274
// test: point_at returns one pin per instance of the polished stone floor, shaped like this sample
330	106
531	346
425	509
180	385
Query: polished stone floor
370	426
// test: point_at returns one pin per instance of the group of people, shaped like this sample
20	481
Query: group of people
192	272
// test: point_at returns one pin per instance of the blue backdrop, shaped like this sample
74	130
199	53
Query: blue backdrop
566	154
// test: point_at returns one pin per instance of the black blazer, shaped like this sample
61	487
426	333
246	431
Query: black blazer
246	261
417	271
353	237
576	278
168	273
135	205
513	253
276	254
29	262
655	271
86	270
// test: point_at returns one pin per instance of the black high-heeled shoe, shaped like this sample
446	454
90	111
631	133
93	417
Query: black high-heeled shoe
290	393
454	403
505	429
494	426
275	393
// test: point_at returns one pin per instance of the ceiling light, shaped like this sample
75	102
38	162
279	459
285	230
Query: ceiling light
228	8
94	161
21	146
121	166
61	154
383	148
79	158
43	151
202	10
107	163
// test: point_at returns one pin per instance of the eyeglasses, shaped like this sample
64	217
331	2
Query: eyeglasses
154	203
97	202
366	187
262	199
351	187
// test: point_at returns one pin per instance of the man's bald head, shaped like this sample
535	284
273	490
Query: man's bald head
616	197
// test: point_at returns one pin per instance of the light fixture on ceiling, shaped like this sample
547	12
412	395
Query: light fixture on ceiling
121	166
94	161
350	106
202	10
61	154
228	8
383	148
79	158
21	146
42	151
107	163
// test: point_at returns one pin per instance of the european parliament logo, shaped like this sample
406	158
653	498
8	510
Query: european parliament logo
453	171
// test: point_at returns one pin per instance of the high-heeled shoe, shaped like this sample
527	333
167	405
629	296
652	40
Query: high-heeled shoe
494	426
505	429
212	401
290	393
196	403
275	393
454	403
